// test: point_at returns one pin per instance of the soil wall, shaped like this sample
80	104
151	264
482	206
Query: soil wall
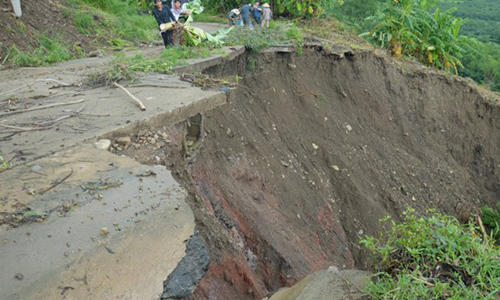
313	150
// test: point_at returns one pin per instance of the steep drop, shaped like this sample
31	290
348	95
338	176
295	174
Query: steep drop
312	150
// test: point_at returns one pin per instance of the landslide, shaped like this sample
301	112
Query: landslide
312	150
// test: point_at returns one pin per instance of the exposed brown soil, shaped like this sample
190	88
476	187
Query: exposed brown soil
313	150
310	153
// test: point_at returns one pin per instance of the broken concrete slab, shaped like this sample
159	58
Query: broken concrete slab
146	216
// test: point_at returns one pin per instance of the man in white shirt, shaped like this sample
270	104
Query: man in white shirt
178	12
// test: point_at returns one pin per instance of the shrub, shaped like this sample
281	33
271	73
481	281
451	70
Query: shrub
433	257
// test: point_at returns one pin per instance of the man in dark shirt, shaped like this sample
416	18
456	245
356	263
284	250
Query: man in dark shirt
245	13
164	15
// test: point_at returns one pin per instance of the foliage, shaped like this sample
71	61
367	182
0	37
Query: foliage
114	19
354	13
491	218
196	8
433	257
483	64
408	27
49	50
483	15
124	68
4	165
211	16
254	40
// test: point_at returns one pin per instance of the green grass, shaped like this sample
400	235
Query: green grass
49	50
491	218
280	33
433	257
207	16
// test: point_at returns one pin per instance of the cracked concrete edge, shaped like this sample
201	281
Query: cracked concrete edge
172	117
200	65
67	257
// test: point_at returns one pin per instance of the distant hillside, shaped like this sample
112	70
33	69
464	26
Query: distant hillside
483	15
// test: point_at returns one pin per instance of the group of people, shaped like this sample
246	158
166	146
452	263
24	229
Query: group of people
163	15
260	15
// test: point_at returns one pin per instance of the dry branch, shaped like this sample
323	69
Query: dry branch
56	183
30	84
40	107
137	101
55	121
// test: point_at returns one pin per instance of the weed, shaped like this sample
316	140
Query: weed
491	218
280	34
124	68
4	165
433	257
50	50
84	22
251	61
21	25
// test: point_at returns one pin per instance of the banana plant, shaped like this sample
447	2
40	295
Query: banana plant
407	27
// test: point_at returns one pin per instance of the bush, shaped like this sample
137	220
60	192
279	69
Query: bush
433	257
254	40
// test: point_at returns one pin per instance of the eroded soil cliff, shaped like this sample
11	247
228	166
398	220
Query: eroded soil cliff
313	150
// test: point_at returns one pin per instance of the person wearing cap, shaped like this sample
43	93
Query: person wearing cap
233	15
164	15
267	14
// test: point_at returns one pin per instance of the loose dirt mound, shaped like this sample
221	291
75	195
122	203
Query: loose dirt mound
313	150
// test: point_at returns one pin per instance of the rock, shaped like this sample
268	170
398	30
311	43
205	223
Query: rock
19	276
316	147
348	127
336	168
330	284
104	231
124	141
184	279
97	53
103	144
292	66
36	168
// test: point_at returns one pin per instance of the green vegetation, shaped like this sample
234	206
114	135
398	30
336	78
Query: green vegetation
279	33
408	27
50	50
433	257
483	15
4	165
491	218
113	19
124	68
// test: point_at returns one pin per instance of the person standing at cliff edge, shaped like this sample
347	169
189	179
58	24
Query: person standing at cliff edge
256	12
164	15
267	14
245	14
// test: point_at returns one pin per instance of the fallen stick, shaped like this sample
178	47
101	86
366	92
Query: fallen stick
17	127
30	84
137	101
161	86
27	129
75	113
58	182
41	107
